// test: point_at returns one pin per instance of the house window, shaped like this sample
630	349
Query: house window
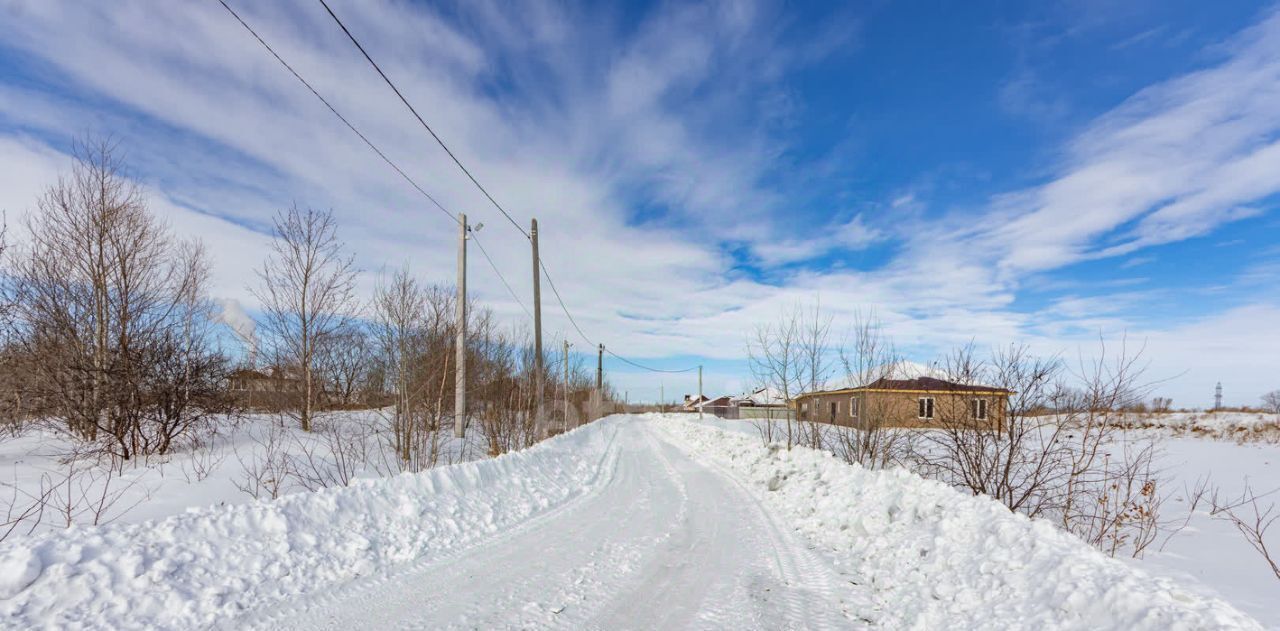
835	409
853	407
980	409
926	407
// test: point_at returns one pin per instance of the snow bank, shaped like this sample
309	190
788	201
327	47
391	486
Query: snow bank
937	558
209	564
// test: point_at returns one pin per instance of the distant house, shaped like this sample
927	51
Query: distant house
918	402
260	390
691	402
250	380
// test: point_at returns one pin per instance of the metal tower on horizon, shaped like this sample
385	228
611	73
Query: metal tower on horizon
1217	397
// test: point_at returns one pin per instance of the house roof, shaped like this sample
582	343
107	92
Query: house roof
918	384
248	373
762	396
712	402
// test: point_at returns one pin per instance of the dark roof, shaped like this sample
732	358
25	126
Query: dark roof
248	373
919	384
927	384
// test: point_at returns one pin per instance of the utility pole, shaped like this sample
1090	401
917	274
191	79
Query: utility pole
662	397
460	375
566	385
539	427
700	401
599	379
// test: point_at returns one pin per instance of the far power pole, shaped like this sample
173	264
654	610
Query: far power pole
539	427
599	379
566	385
700	401
460	376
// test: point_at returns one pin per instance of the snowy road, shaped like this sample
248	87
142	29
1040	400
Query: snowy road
659	542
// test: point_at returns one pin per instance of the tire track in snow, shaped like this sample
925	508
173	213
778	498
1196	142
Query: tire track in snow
807	578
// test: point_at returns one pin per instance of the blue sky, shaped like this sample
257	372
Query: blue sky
1043	173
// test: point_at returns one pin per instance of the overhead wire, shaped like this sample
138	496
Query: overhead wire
511	291
431	131
545	272
335	110
376	150
556	292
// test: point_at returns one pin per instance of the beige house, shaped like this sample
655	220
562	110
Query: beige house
920	402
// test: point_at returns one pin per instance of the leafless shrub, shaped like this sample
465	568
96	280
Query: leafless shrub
1192	496
333	454
1119	506
85	490
111	317
206	456
1252	518
265	469
1060	448
1021	461
23	510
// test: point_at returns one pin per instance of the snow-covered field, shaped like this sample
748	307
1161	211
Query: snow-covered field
649	521
1210	549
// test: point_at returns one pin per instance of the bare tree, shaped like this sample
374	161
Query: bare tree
408	333
775	359
307	292
1271	402
1019	463
344	362
870	357
817	364
111	310
12	412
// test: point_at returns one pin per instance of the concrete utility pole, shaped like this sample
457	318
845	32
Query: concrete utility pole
566	385
539	426
599	380
662	397
460	375
700	401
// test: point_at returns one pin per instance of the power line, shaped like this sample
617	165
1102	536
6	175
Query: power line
334	110
556	292
500	277
648	368
420	119
372	146
415	185
458	162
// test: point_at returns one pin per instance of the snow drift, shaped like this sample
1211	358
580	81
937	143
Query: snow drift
938	558
210	564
